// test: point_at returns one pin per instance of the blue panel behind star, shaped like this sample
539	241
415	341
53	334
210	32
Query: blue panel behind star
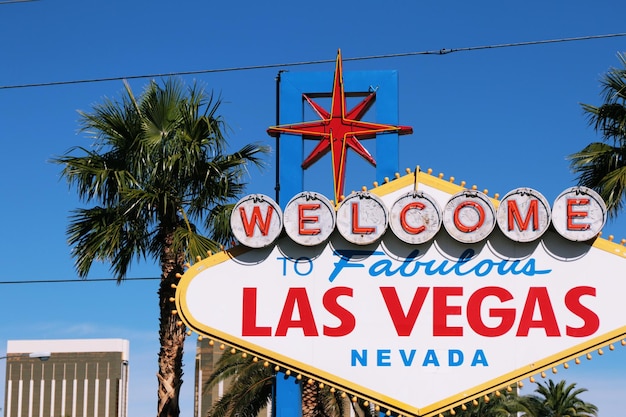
292	110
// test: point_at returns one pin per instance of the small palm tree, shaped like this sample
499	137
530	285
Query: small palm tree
155	176
250	385
505	404
602	165
557	400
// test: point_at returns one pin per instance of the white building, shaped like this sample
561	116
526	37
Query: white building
74	377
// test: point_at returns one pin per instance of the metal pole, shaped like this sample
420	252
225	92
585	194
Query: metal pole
286	395
277	187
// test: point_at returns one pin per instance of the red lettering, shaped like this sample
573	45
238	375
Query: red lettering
347	320
256	219
408	228
457	219
591	320
572	214
514	215
441	311
357	229
506	315
303	220
248	324
538	296
306	322
537	312
403	322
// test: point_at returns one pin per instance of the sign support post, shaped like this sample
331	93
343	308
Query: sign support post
292	89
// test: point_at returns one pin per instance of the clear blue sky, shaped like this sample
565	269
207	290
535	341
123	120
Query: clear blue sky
498	118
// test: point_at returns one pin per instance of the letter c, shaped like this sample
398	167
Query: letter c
407	227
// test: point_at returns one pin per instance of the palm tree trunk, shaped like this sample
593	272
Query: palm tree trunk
310	403
171	336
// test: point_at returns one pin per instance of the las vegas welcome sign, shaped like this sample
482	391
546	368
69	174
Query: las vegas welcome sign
419	295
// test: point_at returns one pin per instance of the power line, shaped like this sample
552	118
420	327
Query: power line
16	1
442	51
57	281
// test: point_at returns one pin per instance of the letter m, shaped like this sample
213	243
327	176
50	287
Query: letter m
256	219
514	215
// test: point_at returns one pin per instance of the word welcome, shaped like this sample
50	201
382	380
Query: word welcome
578	214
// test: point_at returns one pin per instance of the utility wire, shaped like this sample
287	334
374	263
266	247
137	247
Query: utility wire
442	51
16	1
57	281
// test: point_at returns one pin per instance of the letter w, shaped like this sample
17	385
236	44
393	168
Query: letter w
403	322
256	219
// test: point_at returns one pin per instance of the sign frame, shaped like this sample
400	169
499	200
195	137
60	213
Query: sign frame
388	404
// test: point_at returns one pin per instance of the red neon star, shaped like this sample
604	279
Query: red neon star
338	131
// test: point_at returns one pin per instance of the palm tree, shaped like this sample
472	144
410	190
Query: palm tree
155	175
250	385
602	165
504	404
557	400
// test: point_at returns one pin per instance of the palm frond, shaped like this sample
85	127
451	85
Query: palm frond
250	386
194	245
218	222
600	165
103	234
559	399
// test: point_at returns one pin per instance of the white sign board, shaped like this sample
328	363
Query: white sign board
415	328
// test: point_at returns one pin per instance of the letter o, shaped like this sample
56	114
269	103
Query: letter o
469	216
298	262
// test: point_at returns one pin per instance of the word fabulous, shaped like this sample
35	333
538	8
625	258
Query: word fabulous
523	215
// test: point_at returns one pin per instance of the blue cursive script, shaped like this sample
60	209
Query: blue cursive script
410	266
